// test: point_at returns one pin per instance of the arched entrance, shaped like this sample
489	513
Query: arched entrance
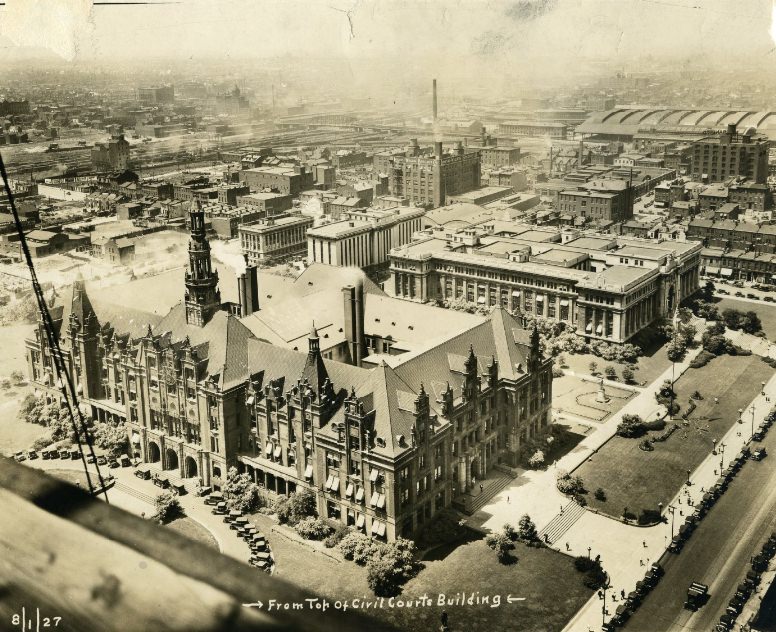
172	459
474	471
190	467
154	454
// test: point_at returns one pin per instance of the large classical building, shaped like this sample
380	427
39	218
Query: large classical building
606	287
364	238
274	238
385	440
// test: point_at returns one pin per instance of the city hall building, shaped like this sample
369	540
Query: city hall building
385	439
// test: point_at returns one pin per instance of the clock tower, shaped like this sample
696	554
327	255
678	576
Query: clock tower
203	298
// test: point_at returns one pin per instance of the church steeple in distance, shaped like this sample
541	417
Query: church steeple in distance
203	298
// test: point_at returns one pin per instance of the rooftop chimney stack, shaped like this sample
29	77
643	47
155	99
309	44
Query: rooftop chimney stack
435	101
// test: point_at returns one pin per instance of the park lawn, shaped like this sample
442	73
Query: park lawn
766	312
193	530
552	587
16	434
639	480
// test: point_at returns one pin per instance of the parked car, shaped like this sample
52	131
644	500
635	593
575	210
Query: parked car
768	299
739	294
90	458
752	296
32	454
113	463
759	454
101	460
723	291
758	436
20	456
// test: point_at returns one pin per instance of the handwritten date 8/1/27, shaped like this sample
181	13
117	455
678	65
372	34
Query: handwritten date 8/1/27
29	620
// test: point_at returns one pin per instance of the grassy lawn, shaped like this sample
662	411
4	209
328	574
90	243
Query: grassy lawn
639	480
766	312
74	477
552	587
192	529
16	434
576	396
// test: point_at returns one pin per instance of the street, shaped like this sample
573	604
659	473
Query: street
717	554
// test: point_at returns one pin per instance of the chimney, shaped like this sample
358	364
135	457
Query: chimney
353	304
438	149
242	294
731	128
459	148
435	100
252	288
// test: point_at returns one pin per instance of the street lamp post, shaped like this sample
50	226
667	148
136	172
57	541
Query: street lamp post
714	447
752	434
588	552
672	510
740	415
688	476
721	456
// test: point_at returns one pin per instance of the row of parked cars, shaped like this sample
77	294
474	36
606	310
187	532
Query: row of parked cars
634	598
260	555
72	453
745	589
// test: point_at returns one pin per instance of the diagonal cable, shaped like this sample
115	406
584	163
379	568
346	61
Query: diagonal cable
64	380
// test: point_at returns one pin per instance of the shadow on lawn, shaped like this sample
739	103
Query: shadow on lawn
440	552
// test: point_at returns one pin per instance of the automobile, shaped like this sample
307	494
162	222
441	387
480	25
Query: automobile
64	453
125	462
752	296
697	595
101	460
759	454
759	563
758	436
20	456
739	294
32	454
723	291
45	455
676	544
214	498
220	509
753	576
744	590
113	463
90	458
204	491
737	284
768	299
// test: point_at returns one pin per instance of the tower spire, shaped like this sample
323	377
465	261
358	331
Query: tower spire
203	298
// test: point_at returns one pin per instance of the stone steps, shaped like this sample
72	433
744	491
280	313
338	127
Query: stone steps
561	523
491	487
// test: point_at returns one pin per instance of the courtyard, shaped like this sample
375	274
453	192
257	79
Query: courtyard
638	480
578	397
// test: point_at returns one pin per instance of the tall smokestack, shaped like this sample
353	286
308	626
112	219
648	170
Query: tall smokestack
242	294
438	149
435	101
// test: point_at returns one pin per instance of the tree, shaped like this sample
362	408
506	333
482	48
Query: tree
241	492
750	322
593	367
627	375
684	314
295	507
501	544
168	508
526	529
631	426
112	438
687	333
716	345
708	291
732	318
676	350
610	372
17	377
536	460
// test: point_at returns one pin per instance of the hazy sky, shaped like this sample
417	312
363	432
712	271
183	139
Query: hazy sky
511	33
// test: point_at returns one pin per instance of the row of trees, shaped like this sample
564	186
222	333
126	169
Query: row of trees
388	565
503	542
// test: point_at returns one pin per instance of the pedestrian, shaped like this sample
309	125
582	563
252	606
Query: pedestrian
680	513
644	542
507	500
142	515
481	488
641	562
561	510
568	548
622	593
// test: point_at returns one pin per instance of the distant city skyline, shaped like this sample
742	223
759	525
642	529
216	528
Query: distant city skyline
524	38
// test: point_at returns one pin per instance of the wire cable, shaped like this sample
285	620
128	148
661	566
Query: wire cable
64	380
